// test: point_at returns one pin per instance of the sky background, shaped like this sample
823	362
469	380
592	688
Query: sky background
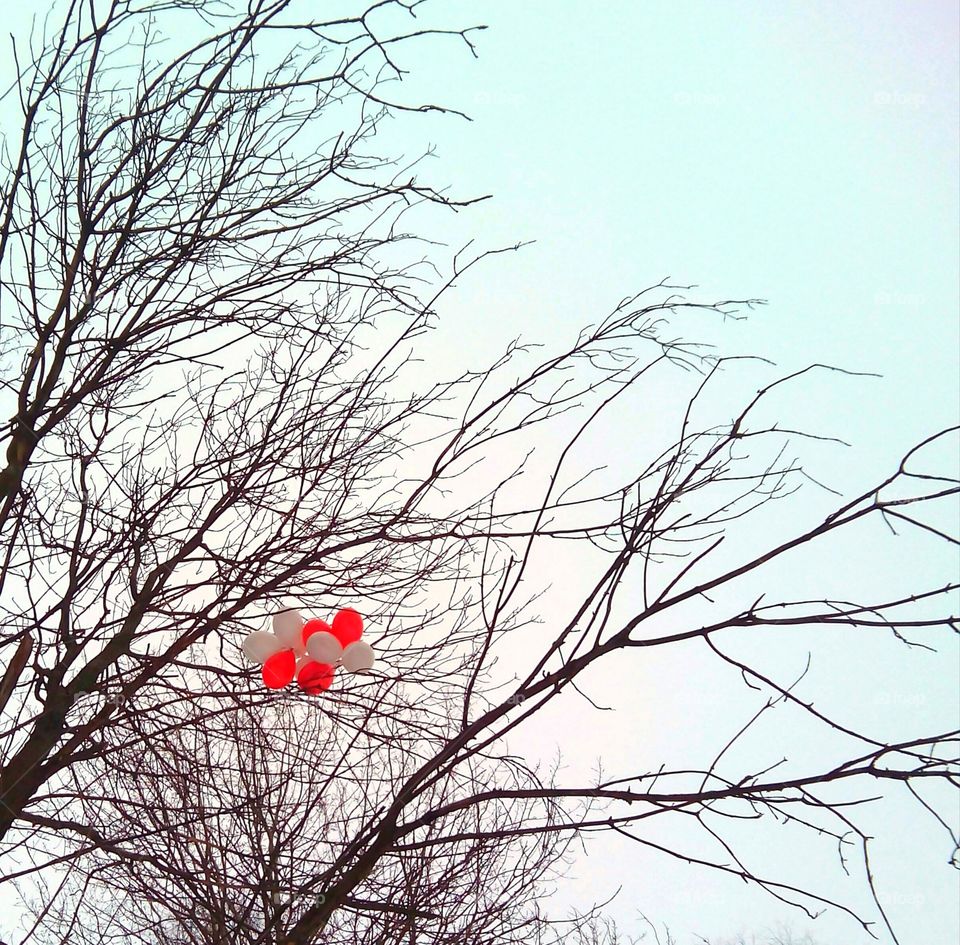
803	153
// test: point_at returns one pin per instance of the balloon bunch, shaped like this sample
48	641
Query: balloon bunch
309	651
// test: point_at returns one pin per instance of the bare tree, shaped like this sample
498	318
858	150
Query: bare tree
779	936
210	341
194	269
232	821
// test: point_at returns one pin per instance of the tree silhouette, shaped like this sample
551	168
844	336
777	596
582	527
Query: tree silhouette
211	313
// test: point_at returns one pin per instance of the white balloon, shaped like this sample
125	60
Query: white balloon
287	618
260	645
358	657
288	626
324	647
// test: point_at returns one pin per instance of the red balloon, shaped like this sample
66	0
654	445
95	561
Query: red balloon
314	678
314	626
347	626
278	670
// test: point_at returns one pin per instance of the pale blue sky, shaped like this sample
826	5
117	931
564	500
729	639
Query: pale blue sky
805	153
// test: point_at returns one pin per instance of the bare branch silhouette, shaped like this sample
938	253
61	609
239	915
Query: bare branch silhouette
210	322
